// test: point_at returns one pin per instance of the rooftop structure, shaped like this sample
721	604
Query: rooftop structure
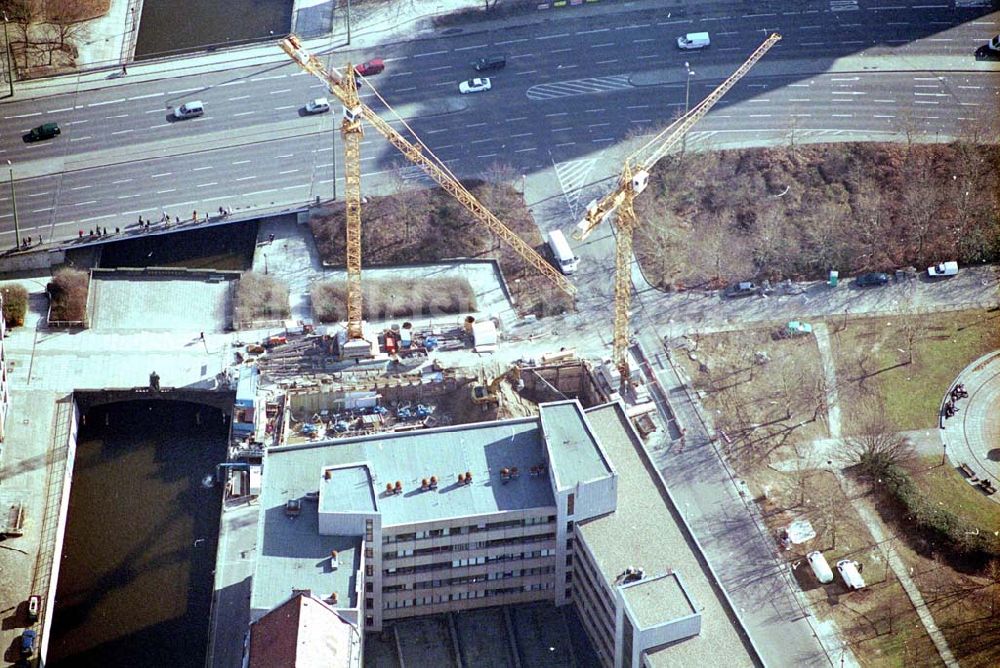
560	508
304	631
645	532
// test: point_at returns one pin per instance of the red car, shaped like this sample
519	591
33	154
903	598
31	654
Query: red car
374	66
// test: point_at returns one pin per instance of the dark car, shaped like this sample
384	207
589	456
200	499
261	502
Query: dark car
741	289
372	67
494	62
44	131
871	279
28	642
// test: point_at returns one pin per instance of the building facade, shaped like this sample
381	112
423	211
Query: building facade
391	526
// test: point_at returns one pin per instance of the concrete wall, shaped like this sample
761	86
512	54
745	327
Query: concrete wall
572	379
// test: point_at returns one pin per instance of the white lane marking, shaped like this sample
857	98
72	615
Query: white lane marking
279	92
48	208
429	53
591	32
602	45
291	171
238	97
87	220
146	97
198	169
59	111
114	183
232	83
122	132
92	201
168	190
207	185
81	187
156	176
183	90
101	104
81	138
545	37
241	162
243	113
37	113
160	125
513	41
287	106
262	192
42	194
469	48
246	178
276	76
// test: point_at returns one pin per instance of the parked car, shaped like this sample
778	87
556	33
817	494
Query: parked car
850	573
370	68
741	289
476	85
44	131
28	642
318	106
190	109
871	279
943	269
34	607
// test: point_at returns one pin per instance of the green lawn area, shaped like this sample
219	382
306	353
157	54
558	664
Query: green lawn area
873	353
947	485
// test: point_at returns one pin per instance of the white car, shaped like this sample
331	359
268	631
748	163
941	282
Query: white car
943	269
476	85
190	109
317	106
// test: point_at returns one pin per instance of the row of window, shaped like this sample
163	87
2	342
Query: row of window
462	547
463	530
472	561
463	595
495	575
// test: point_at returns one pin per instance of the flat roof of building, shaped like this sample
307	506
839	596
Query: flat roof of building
575	453
645	532
348	488
657	599
293	555
481	449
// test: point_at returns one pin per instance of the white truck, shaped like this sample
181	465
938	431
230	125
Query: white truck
562	253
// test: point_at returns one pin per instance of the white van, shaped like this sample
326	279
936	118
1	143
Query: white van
850	573
820	568
190	109
694	40
563	254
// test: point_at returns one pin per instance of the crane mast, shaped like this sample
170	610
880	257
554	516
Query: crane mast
345	90
633	180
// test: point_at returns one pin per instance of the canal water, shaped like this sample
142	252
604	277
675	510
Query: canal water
135	582
176	26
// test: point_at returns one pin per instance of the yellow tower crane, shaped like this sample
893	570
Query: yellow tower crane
345	90
633	180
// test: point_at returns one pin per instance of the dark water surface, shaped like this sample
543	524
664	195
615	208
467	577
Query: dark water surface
174	26
135	581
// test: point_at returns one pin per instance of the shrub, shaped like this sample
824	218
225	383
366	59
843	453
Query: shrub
945	526
15	304
395	298
68	295
262	297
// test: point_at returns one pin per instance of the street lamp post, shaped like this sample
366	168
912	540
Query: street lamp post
6	42
265	263
13	203
687	100
348	21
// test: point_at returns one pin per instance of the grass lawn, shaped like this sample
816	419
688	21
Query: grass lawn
949	487
872	356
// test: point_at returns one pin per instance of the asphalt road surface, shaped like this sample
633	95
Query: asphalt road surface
572	88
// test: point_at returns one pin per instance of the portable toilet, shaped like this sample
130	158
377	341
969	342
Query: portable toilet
850	573
820	567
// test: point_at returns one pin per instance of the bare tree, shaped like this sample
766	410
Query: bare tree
877	444
69	18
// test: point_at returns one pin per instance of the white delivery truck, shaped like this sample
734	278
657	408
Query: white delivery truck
562	253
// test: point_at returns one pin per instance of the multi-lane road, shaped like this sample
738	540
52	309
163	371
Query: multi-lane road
571	89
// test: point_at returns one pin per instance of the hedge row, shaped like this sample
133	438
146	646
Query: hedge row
956	534
15	304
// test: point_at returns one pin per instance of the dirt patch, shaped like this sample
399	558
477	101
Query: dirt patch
794	212
429	225
907	362
763	393
395	298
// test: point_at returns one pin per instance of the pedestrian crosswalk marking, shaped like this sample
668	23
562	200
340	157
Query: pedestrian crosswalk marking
572	176
550	91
